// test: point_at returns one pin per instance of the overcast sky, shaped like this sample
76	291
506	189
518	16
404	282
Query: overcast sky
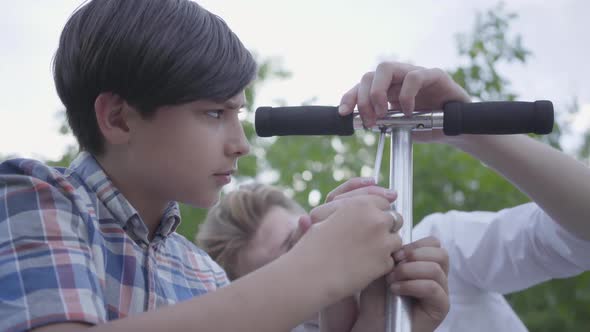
327	45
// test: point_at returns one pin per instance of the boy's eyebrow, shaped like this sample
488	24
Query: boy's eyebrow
234	105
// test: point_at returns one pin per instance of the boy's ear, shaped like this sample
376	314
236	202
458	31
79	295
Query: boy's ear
112	116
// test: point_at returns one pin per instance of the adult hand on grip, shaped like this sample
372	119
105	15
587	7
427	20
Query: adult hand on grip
406	87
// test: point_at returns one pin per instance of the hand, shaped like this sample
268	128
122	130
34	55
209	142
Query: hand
353	187
360	186
421	272
404	86
342	315
350	243
372	313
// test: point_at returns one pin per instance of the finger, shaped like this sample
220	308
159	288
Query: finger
388	194
398	221
348	101
393	94
429	241
386	75
366	109
420	289
381	203
427	291
393	242
303	225
419	271
424	254
394	105
414	82
349	185
323	211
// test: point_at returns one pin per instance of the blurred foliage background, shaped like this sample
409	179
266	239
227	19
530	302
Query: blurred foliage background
444	178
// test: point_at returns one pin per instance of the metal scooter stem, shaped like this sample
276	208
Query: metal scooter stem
399	309
379	157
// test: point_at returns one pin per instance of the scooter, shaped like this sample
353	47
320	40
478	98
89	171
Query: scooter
482	118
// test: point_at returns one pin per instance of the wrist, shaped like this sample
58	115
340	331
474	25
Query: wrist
462	142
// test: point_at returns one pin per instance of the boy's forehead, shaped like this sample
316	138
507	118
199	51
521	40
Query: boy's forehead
235	102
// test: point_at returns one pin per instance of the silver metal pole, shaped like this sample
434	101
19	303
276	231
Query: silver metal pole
399	309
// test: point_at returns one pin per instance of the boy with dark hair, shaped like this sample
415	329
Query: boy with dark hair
152	90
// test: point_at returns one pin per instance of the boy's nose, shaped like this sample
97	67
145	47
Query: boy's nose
238	144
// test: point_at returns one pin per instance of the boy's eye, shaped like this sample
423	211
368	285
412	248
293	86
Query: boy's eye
216	114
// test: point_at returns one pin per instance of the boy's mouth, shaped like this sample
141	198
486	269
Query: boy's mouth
226	173
223	178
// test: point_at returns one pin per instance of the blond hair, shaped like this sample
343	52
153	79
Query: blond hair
234	220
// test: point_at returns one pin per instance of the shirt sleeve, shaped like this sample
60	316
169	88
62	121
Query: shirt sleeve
46	269
505	251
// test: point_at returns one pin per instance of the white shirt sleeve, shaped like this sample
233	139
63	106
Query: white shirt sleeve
505	251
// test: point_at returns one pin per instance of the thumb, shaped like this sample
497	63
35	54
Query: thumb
303	225
323	211
348	101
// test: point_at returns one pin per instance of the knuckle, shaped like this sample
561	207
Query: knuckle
330	196
411	256
431	287
315	218
368	76
363	103
385	65
414	74
445	257
405	97
439	72
401	271
440	273
359	202
397	240
387	262
434	241
384	221
378	95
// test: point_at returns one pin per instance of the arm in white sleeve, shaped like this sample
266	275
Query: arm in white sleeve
558	183
505	251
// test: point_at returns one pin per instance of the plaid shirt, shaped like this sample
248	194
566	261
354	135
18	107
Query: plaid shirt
72	248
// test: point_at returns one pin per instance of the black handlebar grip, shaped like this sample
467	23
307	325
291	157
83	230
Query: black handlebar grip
308	120
498	117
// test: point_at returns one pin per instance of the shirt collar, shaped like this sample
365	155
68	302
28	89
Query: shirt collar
92	174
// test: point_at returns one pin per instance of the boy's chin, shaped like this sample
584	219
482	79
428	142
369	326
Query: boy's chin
204	202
